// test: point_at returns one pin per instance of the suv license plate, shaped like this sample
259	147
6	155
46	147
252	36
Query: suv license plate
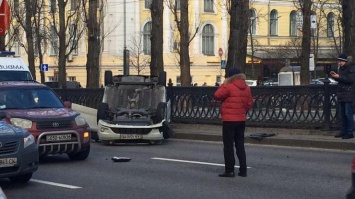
131	136
8	162
55	138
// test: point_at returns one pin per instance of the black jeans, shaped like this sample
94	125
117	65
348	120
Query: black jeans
233	133
347	120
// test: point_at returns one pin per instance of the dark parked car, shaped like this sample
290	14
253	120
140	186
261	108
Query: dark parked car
351	192
55	126
272	81
18	152
68	84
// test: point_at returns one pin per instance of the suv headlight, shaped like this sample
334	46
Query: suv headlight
80	120
23	123
27	141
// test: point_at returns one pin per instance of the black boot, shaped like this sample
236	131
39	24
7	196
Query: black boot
242	172
348	136
227	174
339	135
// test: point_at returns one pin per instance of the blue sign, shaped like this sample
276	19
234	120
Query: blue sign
223	64
44	67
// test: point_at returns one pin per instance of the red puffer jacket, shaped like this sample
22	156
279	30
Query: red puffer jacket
236	98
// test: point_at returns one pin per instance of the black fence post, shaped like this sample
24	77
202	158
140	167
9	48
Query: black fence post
326	104
170	96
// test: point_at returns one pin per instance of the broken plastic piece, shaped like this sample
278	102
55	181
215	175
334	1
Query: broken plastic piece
120	159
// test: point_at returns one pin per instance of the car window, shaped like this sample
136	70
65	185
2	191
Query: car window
29	98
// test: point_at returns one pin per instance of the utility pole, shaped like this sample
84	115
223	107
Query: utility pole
125	51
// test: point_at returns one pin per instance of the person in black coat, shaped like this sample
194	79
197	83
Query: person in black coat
346	94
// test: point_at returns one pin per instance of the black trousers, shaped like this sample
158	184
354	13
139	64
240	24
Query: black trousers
233	133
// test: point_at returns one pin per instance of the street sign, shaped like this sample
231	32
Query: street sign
223	64
5	14
220	52
44	67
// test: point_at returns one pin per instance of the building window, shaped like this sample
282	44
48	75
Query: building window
208	40
147	4
146	38
50	78
330	25
71	78
293	23
252	25
208	5
218	80
54	41
177	5
16	7
273	23
73	37
16	48
35	45
73	5
52	6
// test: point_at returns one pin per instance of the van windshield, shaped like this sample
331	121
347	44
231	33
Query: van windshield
15	76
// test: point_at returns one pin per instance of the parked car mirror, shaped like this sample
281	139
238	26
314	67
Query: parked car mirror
67	104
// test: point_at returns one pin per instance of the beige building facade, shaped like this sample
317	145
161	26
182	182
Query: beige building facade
274	36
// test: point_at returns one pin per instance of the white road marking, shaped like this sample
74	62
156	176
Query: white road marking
192	162
56	184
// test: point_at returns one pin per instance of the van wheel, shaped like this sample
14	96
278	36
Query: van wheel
82	155
102	112
167	130
160	113
21	178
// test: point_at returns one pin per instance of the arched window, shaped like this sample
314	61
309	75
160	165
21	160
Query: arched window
273	23
293	23
146	38
208	40
330	24
252	25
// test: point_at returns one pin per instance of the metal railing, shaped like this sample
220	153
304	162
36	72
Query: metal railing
312	107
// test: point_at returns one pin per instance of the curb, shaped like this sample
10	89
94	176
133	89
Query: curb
321	140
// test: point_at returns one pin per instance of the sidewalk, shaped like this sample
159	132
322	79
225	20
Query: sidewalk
282	137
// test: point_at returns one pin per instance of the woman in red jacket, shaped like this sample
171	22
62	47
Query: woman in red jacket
236	99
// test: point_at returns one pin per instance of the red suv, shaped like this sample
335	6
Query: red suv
56	127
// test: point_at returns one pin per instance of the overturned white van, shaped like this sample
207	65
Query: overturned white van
13	68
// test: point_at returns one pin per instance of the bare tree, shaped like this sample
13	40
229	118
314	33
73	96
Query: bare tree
137	58
349	26
306	6
157	62
182	23
94	43
25	18
238	35
40	34
67	25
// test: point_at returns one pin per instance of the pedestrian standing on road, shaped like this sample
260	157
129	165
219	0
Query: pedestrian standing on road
346	94
236	99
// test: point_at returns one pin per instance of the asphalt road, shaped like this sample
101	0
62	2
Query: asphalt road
189	169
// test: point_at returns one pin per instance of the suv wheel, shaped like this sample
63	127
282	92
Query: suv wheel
21	178
82	155
160	113
167	131
102	112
